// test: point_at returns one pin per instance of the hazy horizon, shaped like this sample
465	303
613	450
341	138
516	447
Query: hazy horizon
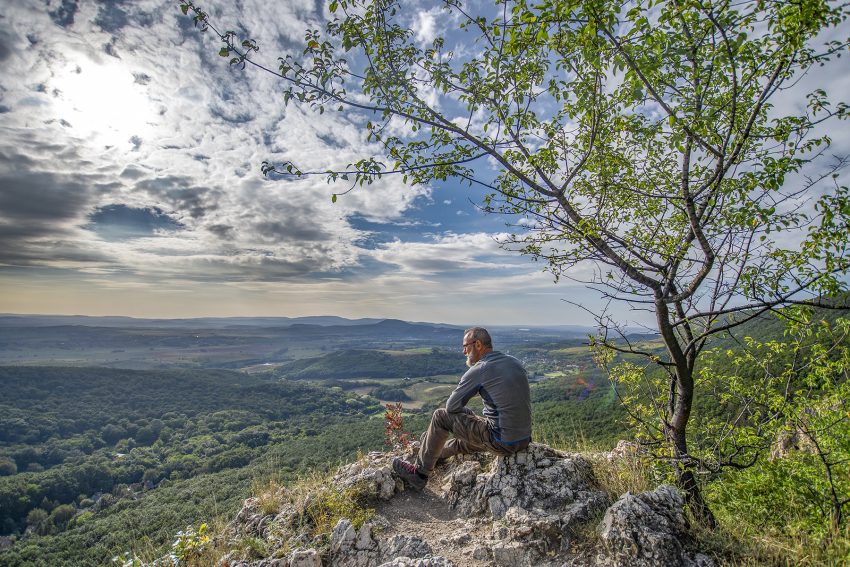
376	319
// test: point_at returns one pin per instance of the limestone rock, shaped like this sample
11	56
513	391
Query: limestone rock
790	440
426	562
305	558
364	539
343	537
625	450
458	482
251	520
281	562
539	477
647	529
353	548
288	517
480	553
404	546
541	494
514	554
372	474
512	511
537	531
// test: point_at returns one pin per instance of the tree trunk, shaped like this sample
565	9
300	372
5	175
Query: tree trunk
687	482
685	477
681	401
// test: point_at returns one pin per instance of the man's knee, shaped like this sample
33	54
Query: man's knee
441	418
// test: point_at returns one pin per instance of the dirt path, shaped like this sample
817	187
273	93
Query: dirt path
427	516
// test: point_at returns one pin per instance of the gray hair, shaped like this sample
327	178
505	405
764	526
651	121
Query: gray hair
480	334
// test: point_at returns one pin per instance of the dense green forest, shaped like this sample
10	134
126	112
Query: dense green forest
97	460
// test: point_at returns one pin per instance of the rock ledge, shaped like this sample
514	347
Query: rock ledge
538	507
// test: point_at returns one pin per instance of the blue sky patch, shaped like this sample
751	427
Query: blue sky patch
120	222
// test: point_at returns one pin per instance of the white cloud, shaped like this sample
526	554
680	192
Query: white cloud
425	25
198	137
447	254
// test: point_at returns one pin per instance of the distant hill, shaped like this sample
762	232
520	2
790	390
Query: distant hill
233	343
348	364
11	320
25	320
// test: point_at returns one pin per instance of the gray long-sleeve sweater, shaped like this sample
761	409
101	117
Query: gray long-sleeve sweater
502	383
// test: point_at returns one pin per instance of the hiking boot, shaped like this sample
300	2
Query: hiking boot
409	474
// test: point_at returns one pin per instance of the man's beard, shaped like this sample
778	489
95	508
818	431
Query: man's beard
469	362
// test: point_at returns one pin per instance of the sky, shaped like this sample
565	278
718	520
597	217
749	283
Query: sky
130	184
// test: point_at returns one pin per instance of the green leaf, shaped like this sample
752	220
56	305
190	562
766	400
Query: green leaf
224	52
333	198
184	8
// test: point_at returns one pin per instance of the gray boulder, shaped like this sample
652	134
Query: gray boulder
372	475
647	530
404	546
541	494
538	478
305	558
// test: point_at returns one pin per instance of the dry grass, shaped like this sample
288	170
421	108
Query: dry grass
318	506
625	473
320	503
271	495
628	473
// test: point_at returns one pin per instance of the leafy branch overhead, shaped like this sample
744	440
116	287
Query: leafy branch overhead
643	140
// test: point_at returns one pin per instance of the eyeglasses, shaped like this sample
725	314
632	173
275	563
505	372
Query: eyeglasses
470	343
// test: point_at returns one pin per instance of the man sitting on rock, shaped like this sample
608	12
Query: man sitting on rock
502	383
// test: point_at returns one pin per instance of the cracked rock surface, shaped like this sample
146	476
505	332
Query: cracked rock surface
538	507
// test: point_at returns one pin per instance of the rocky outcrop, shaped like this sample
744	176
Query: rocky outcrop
647	529
357	548
298	558
372	475
538	507
537	479
541	496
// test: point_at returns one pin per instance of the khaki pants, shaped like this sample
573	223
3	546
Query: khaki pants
471	435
